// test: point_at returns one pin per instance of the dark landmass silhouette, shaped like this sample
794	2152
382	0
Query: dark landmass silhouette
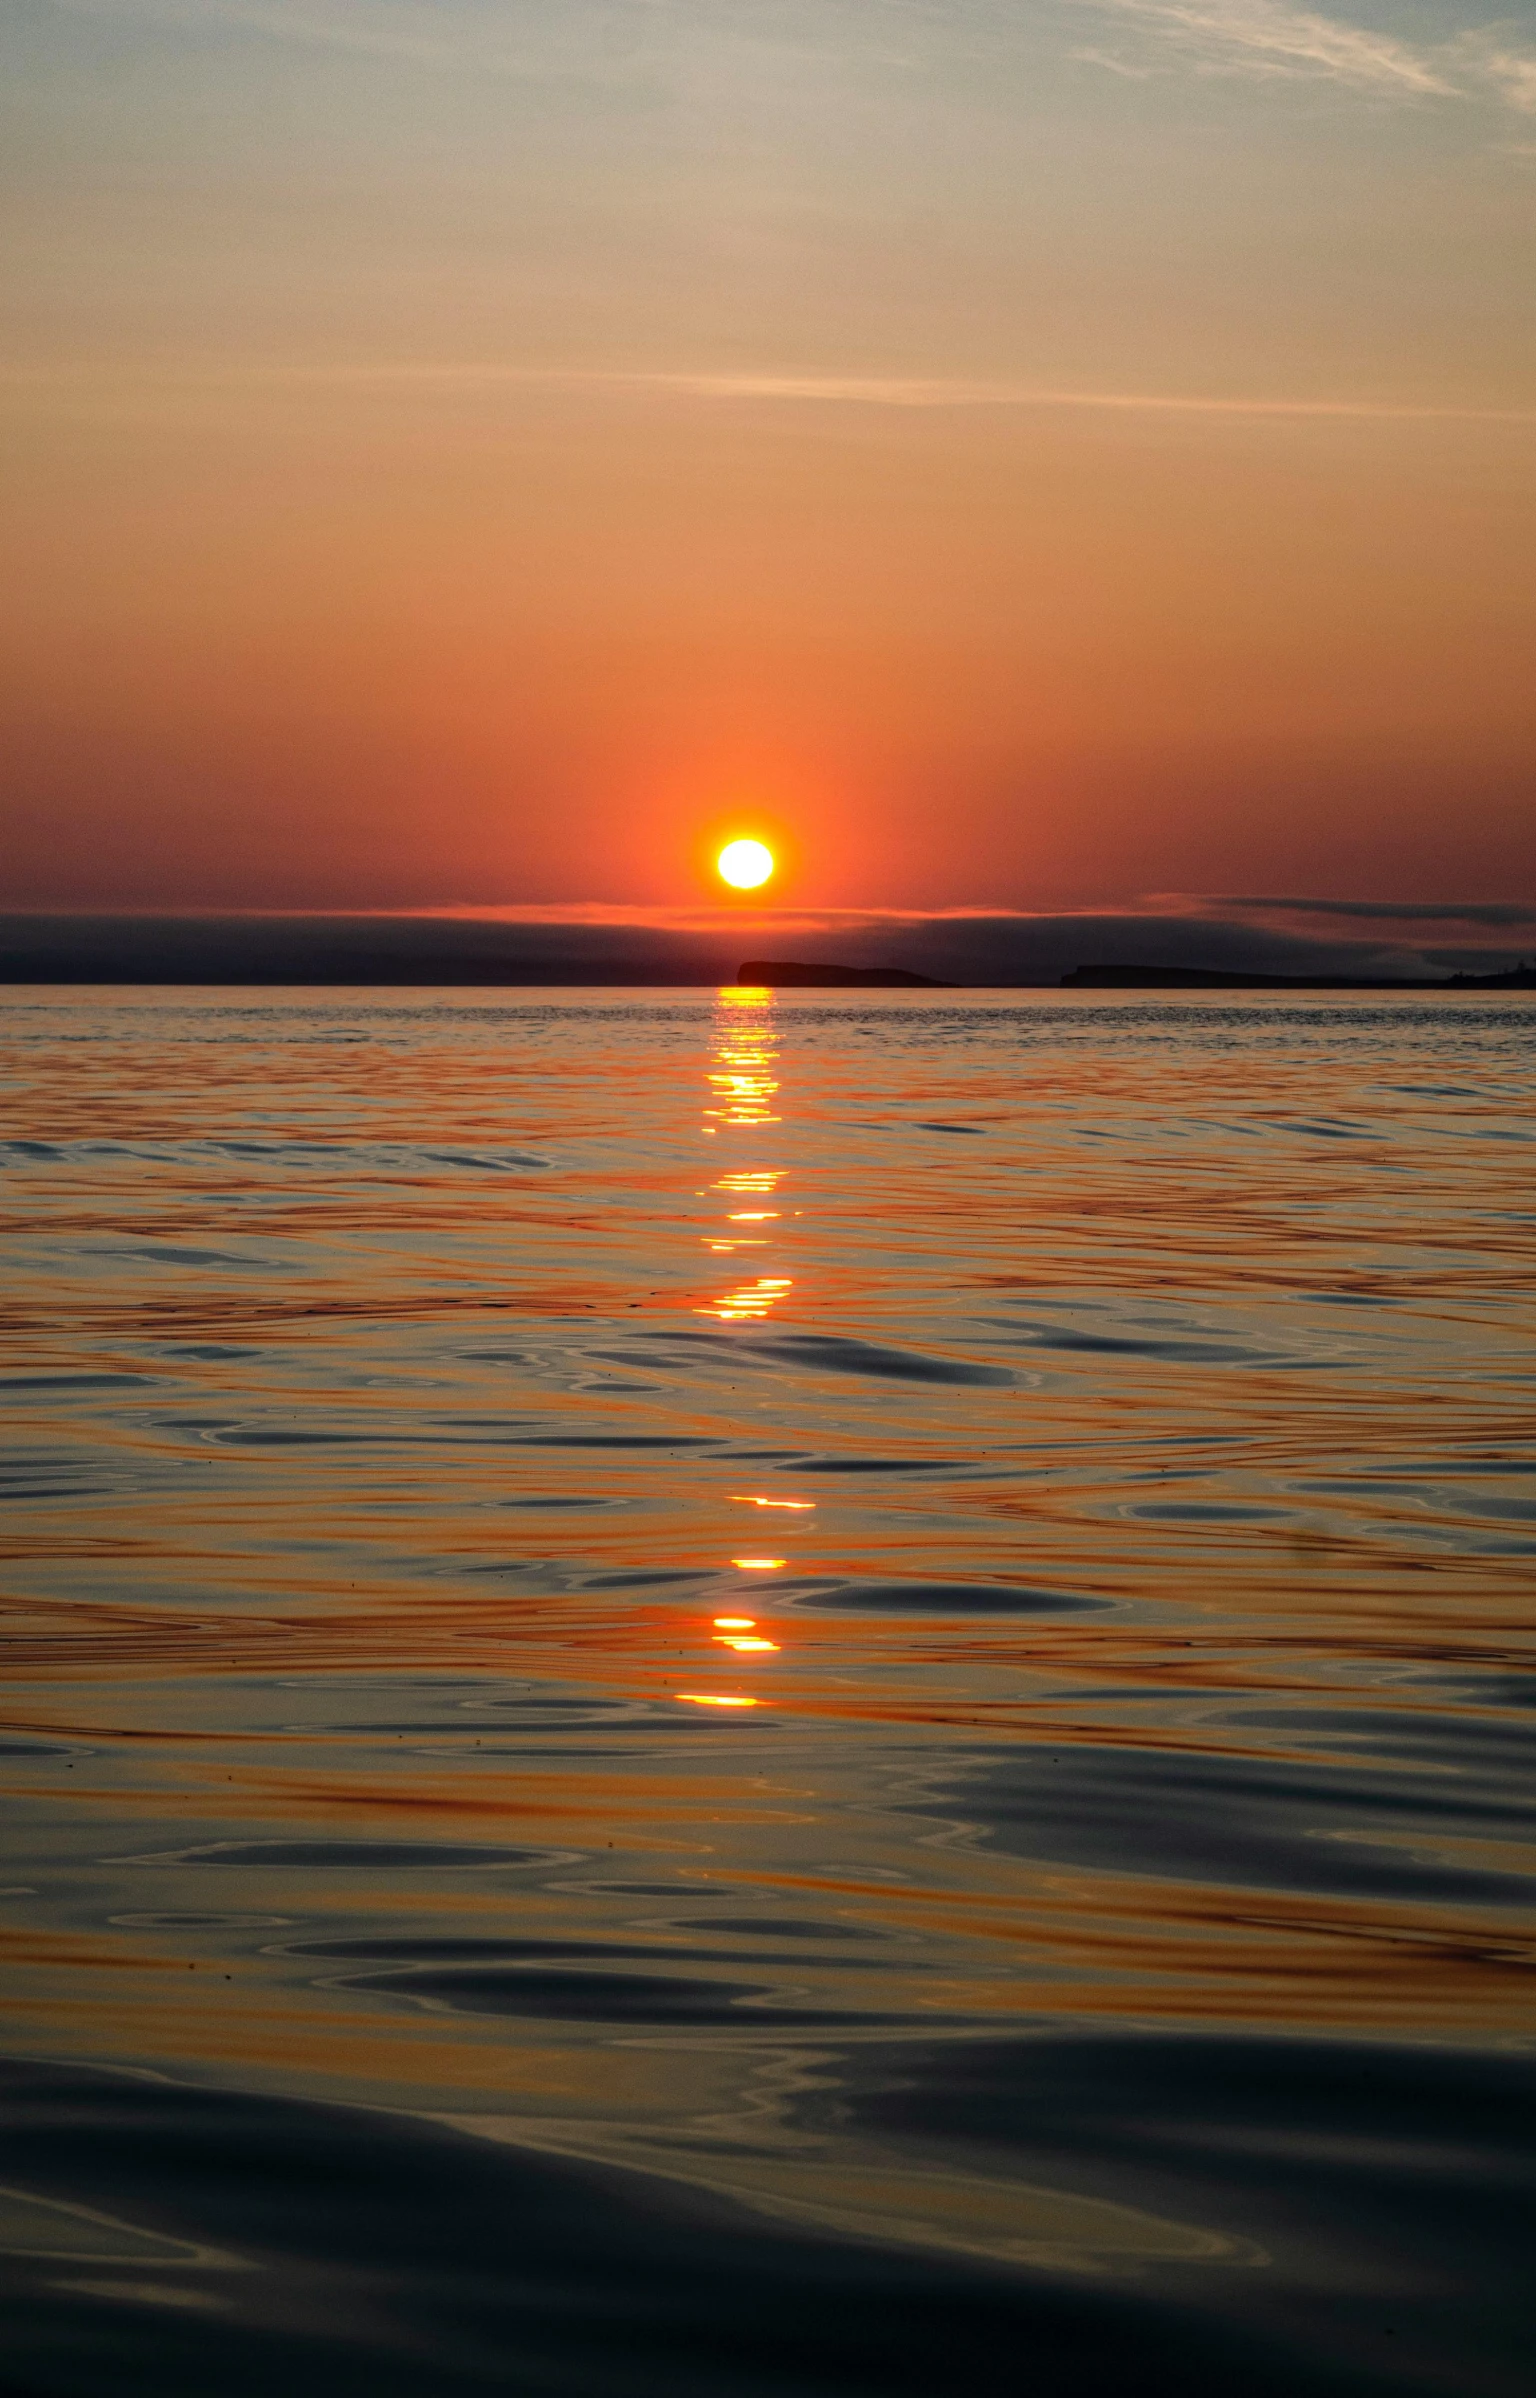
392	952
793	974
489	952
399	952
1223	978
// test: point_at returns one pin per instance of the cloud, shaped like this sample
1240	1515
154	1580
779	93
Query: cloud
872	391
1116	66
1511	72
1271	38
1266	37
591	943
768	385
396	32
1494	913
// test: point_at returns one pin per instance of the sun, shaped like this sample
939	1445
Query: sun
745	864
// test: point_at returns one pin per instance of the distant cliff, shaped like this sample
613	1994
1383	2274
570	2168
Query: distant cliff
791	974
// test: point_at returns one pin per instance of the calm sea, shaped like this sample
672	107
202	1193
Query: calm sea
715	1697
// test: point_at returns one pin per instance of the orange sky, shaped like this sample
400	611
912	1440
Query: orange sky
467	456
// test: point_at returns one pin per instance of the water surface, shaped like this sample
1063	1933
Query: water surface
716	1694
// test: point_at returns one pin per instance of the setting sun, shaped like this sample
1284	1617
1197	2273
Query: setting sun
745	864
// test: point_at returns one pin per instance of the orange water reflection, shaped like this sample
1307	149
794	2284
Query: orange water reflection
743	1086
743	1054
345	1492
749	1302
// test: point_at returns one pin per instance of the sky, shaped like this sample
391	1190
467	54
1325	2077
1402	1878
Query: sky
1057	458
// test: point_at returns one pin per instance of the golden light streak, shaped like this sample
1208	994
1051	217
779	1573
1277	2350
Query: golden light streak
750	1300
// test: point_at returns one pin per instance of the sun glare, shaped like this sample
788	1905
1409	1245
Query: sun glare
745	864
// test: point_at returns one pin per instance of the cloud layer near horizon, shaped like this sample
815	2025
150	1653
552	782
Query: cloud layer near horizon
657	946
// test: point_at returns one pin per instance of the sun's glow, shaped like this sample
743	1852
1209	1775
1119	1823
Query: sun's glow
708	1698
745	864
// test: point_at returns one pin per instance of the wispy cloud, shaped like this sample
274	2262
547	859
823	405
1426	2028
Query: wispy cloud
92	385
1133	71
1493	914
1266	37
1489	57
871	391
1274	39
391	30
1152	909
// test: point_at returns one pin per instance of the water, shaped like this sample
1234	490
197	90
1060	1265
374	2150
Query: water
712	1695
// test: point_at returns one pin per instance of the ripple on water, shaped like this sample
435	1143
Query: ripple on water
670	1730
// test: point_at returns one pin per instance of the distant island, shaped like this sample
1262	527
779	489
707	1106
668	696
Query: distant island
794	975
1222	978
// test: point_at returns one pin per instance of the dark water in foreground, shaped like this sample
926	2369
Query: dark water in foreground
763	1699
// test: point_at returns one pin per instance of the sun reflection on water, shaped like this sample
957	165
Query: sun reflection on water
741	1079
749	1300
743	1086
